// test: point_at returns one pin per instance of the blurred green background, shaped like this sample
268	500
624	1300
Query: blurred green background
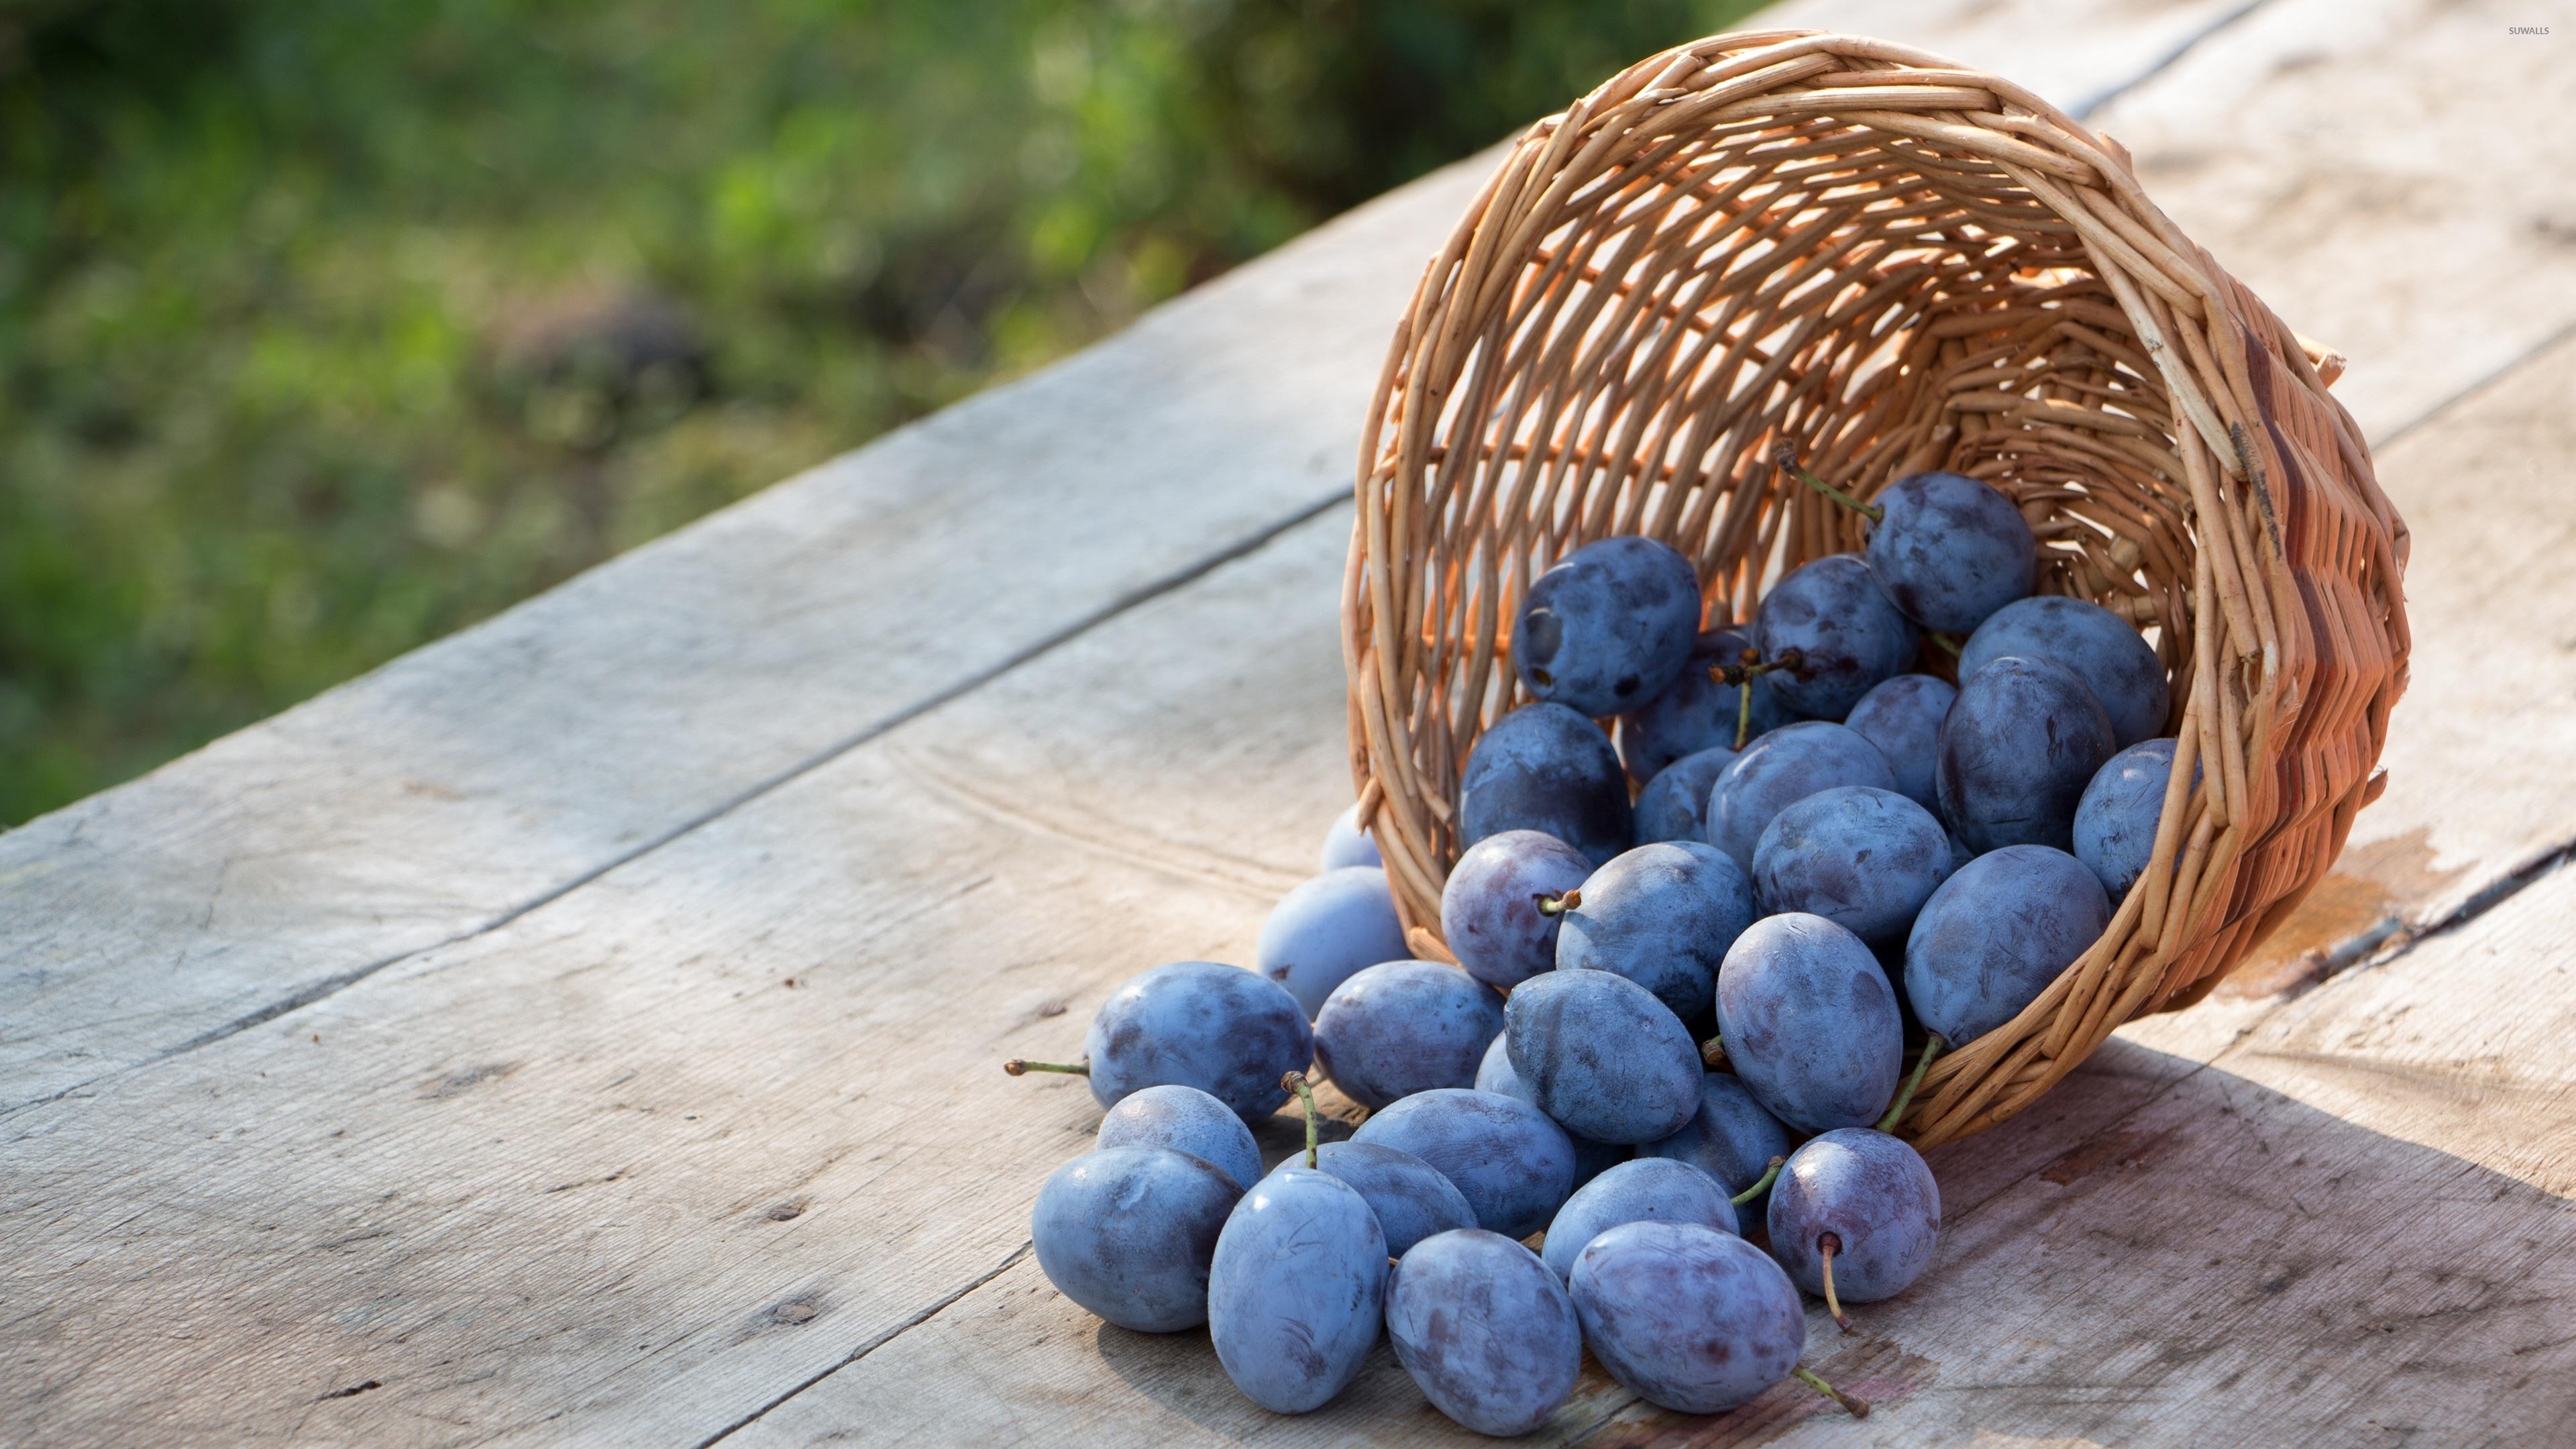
326	329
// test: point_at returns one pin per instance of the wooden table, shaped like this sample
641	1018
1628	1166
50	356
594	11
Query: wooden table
584	1028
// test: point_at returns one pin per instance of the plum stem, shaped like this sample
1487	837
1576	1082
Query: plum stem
1017	1067
1296	1082
1948	645
1827	1245
1549	905
1743	713
1933	1046
1787	457
1857	1407
1712	1052
1770	1175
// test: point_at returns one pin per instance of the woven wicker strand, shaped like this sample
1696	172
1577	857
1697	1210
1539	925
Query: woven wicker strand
1888	262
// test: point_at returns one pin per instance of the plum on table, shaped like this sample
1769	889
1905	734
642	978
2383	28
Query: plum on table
1733	1139
1495	1074
1488	1333
1656	1189
1661	915
1185	1120
1602	1056
1224	1030
1296	1289
1345	843
1402	1027
1129	1233
1512	1162
1505	902
1810	1023
1326	928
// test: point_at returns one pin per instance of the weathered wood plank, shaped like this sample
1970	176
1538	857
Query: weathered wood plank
466	781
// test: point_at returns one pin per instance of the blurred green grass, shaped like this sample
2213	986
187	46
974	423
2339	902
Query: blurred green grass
326	330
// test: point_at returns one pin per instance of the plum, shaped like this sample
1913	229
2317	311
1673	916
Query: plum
1345	843
1218	1028
1185	1120
2017	750
1689	1318
1864	859
1855	1217
1326	928
1602	1056
1402	1027
1810	1023
1545	767
1514	1165
1410	1197
1486	1331
1129	1233
1846	636
1648	1188
1296	1289
1491	908
1608	627
1779	770
2087	641
2115	821
1674	804
1902	717
1661	915
1995	934
1950	550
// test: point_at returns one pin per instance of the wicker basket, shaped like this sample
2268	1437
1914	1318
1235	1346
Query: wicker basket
1890	262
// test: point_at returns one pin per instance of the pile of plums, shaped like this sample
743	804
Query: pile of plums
1694	954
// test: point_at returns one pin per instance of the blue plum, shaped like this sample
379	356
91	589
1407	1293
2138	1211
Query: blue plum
1544	767
1903	718
1185	1120
2089	642
1218	1028
1403	1027
1779	770
1995	934
1602	1056
1514	1165
1689	1318
1489	908
1129	1234
1495	1074
1345	843
1950	550
1731	1138
1697	711
1487	1333
1674	804
1848	637
1661	915
1867	1201
1863	859
2016	753
1648	1188
1326	928
1810	1023
1410	1197
1296	1290
2115	821
1608	627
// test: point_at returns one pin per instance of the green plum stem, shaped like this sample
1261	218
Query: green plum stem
1296	1082
1712	1053
1933	1046
1948	644
1559	905
1826	1246
1788	458
1762	1184
1017	1067
1858	1408
1743	713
